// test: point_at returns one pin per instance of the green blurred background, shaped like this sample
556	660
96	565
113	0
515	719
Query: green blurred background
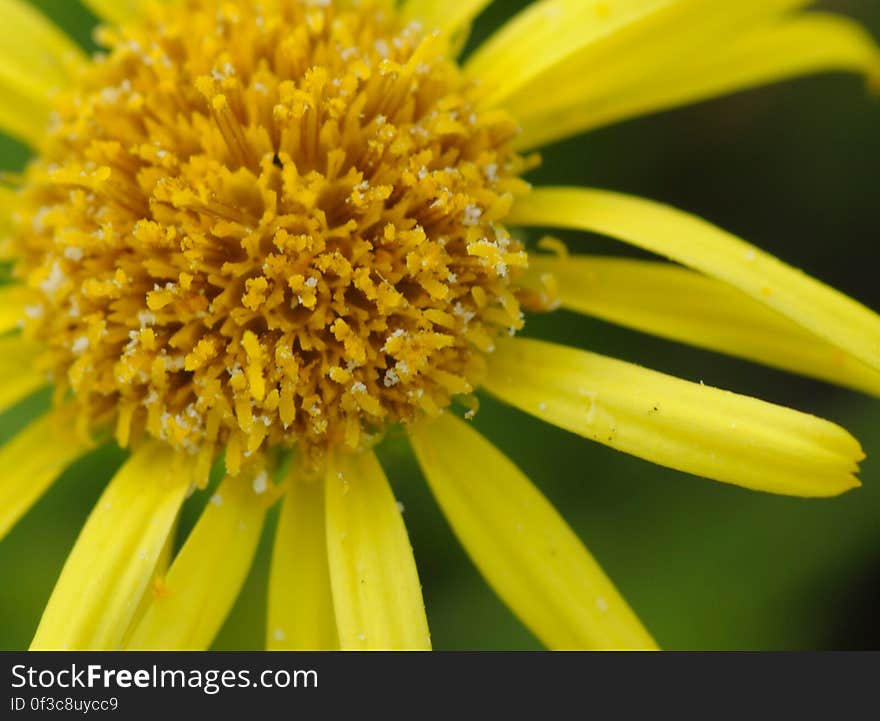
793	168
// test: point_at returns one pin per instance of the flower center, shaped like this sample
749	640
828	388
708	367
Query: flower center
271	222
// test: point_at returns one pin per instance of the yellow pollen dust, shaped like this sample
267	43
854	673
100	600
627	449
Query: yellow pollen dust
269	223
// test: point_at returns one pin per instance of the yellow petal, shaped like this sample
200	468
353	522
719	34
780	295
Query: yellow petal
544	33
552	37
301	616
825	312
36	60
523	547
677	303
8	203
451	19
158	577
19	374
113	559
667	76
13	299
32	460
22	117
190	605
117	11
687	426
35	56
376	591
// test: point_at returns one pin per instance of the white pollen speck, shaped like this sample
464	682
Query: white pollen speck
175	363
54	281
472	214
217	499
542	406
358	387
261	482
601	605
399	333
750	254
312	282
278	634
73	253
400	508
80	345
461	312
37	222
34	311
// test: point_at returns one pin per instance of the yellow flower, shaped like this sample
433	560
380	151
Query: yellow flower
262	233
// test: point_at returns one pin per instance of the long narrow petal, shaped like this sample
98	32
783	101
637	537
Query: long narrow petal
32	460
523	547
674	302
449	18
687	426
301	616
13	300
544	33
190	605
551	39
825	312
19	374
8	203
36	60
112	562
376	590
117	11
21	116
35	56
163	562
809	43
